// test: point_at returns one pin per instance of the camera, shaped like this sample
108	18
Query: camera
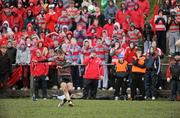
173	15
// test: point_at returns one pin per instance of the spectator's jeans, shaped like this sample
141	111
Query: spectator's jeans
150	84
175	87
137	82
173	37
40	80
105	79
147	45
90	85
3	80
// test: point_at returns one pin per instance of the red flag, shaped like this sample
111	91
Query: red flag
16	75
152	19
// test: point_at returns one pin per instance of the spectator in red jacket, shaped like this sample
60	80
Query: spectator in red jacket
21	10
29	30
137	17
130	52
6	15
59	8
33	6
39	71
109	27
121	14
17	33
144	6
16	19
92	75
51	18
97	28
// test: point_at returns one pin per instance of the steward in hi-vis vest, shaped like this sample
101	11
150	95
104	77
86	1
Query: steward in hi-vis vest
138	71
121	78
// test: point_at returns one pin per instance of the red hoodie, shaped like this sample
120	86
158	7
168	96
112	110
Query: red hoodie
39	68
98	30
121	17
137	18
51	20
109	28
144	6
93	70
129	54
17	20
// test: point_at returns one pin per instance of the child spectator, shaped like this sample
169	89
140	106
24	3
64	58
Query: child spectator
173	77
148	34
121	78
153	68
116	51
138	71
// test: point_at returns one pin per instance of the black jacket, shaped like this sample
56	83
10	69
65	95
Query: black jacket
12	54
5	64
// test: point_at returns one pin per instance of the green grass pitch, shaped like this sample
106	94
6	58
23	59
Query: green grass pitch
26	108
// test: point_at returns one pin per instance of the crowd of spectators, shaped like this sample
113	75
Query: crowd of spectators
80	26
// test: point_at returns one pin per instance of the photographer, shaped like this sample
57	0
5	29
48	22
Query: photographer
173	32
160	21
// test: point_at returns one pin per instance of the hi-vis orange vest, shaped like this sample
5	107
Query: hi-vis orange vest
121	67
140	62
